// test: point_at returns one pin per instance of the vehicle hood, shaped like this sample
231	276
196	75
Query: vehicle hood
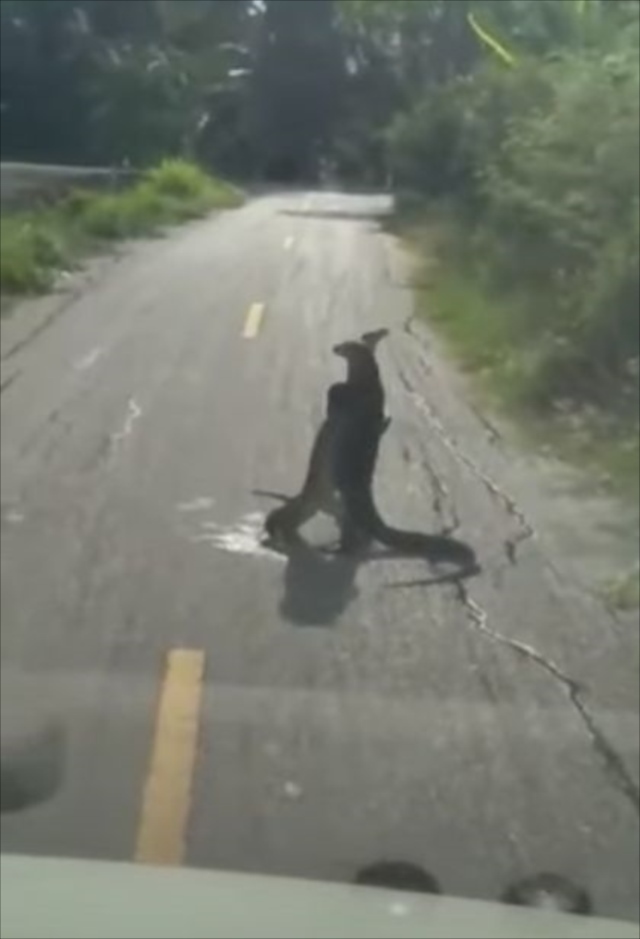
50	898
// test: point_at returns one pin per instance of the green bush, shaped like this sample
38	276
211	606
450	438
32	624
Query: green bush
540	165
76	201
30	247
104	217
127	214
178	178
441	147
538	286
188	188
35	244
563	196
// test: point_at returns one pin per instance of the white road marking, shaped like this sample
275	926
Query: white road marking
288	243
253	321
89	359
133	413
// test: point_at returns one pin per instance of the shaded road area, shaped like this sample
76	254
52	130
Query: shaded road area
229	708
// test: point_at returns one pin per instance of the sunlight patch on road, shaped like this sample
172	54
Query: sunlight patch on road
167	795
253	321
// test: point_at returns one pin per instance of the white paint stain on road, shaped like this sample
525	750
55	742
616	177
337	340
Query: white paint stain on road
11	517
90	359
133	413
199	504
293	790
243	537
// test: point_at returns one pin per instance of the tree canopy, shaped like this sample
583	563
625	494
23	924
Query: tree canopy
258	87
522	114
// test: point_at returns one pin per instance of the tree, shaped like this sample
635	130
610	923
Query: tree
102	80
44	63
296	86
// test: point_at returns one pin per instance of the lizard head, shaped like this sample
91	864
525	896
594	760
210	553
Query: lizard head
360	356
353	352
359	350
371	339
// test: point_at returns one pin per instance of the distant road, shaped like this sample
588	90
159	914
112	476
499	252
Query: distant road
19	182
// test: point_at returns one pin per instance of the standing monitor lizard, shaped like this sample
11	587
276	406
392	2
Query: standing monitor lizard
319	493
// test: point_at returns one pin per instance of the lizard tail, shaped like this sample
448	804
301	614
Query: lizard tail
270	494
434	548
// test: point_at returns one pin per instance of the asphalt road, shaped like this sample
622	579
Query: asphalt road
321	715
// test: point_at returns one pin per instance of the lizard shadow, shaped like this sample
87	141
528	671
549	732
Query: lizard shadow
319	584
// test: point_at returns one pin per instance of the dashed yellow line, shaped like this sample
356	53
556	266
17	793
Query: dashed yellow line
253	321
167	794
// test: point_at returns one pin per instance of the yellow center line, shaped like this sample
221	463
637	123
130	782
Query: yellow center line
253	321
167	794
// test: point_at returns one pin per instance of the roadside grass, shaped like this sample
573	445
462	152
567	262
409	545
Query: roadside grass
488	330
31	246
35	245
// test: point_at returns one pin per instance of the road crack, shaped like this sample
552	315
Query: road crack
442	503
9	380
134	411
45	323
614	765
493	434
525	530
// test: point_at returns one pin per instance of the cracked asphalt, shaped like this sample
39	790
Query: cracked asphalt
346	711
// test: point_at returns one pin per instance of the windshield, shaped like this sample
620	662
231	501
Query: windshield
320	441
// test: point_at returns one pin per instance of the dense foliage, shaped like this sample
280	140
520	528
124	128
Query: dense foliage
539	161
